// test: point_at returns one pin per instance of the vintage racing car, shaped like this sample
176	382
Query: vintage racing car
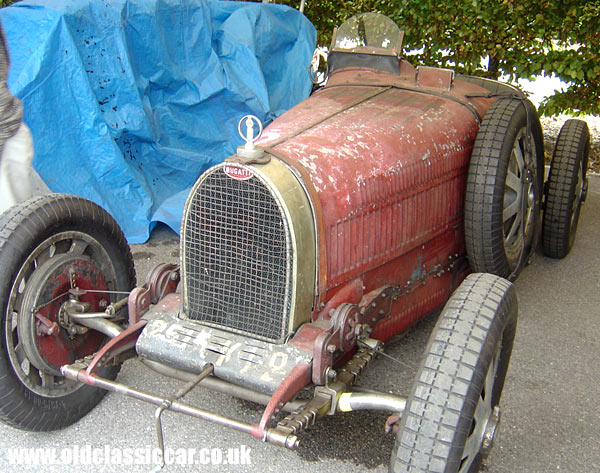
388	192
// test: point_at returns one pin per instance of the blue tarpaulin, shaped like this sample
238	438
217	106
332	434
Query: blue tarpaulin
129	101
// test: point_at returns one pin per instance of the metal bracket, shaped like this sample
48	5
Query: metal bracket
162	280
138	304
326	398
167	403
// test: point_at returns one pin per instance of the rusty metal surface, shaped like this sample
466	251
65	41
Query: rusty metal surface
116	346
42	336
383	158
162	280
138	303
326	397
546	288
289	387
384	162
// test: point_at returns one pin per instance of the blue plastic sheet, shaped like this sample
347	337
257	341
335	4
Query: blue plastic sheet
130	101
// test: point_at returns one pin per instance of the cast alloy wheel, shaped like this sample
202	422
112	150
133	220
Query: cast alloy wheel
504	188
38	339
55	250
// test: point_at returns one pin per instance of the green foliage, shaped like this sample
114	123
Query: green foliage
517	38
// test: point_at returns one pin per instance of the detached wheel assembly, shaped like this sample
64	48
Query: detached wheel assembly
566	188
504	188
57	252
452	412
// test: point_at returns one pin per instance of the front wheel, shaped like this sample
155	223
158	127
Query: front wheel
452	412
50	245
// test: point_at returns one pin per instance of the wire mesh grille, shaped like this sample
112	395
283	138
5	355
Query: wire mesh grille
238	254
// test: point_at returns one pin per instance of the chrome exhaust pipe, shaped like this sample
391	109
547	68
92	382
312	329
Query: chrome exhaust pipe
360	401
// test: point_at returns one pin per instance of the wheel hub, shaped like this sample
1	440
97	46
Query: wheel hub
41	328
490	431
530	190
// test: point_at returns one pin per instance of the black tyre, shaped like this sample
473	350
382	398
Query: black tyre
452	411
566	188
504	188
47	245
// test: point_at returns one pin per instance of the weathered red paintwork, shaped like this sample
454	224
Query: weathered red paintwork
60	349
388	158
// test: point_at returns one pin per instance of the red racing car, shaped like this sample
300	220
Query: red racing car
391	191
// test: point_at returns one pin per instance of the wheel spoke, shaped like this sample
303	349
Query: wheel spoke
511	210
513	182
25	365
472	447
20	354
482	410
78	247
21	286
482	413
474	441
514	230
45	256
47	379
518	154
13	321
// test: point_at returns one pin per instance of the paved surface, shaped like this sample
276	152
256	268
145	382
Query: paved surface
551	418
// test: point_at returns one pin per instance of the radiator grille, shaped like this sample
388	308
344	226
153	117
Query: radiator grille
238	255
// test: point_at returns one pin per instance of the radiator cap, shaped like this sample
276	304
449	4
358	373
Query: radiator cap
250	153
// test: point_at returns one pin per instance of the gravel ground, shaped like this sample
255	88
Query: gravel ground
551	127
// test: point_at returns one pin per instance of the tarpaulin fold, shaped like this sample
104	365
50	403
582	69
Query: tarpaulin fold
129	101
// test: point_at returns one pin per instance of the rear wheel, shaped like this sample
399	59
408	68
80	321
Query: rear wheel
452	412
566	188
48	246
504	185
